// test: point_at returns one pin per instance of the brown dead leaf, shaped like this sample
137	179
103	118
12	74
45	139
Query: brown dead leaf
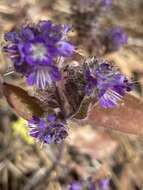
23	104
92	142
128	117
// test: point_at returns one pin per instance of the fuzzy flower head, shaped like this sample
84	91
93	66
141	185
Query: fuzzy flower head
48	130
35	49
105	82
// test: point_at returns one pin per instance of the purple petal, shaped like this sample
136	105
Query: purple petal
55	73
31	79
52	117
65	49
12	36
27	34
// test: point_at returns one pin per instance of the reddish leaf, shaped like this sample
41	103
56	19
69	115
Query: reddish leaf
97	144
128	117
23	104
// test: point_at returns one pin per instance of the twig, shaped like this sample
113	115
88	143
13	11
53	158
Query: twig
44	173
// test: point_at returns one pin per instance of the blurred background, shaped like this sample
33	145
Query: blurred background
99	153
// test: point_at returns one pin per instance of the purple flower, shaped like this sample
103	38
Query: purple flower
104	184
105	82
48	130
35	49
89	184
116	38
76	185
106	2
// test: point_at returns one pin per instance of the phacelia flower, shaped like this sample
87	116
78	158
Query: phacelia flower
76	185
104	184
106	2
35	49
115	38
105	82
48	130
89	184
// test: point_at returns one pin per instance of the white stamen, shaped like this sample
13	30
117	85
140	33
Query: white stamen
43	78
39	51
111	96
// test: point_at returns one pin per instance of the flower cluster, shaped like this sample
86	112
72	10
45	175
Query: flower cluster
90	185
48	130
105	82
115	38
35	50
